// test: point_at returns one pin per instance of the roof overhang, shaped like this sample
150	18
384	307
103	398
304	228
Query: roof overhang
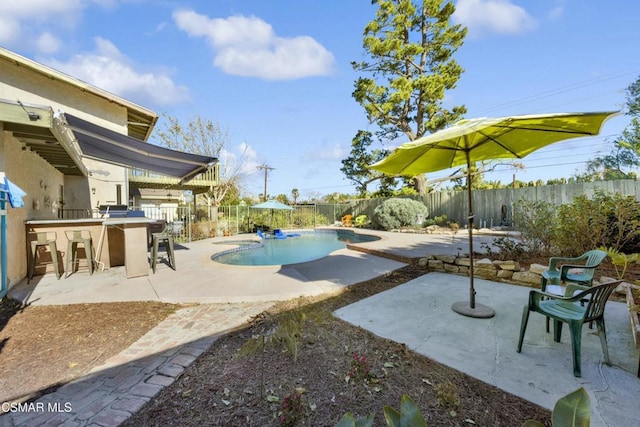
34	126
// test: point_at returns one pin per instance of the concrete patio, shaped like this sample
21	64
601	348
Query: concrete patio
482	348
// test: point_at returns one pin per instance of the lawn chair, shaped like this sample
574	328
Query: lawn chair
570	310
586	264
552	278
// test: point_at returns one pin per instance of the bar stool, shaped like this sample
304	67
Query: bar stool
43	238
166	239
75	238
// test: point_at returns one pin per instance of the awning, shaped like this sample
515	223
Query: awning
106	145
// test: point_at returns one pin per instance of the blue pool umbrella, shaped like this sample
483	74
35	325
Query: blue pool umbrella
272	205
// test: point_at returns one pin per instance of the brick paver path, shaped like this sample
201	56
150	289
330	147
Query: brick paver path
111	393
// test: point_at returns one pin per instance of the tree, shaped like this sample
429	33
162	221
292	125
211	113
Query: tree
295	193
205	137
355	167
282	198
410	45
625	152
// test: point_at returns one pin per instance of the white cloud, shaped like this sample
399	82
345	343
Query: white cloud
48	43
24	22
9	29
112	71
249	46
327	154
493	16
556	13
240	162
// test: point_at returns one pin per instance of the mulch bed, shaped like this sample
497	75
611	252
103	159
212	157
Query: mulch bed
43	347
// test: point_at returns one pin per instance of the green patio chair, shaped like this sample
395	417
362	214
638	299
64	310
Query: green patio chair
563	270
574	312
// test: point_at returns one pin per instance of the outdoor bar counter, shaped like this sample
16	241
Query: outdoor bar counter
116	242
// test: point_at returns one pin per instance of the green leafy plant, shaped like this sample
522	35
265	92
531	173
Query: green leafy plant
504	248
348	420
395	213
620	260
573	410
440	220
361	221
408	415
612	221
535	222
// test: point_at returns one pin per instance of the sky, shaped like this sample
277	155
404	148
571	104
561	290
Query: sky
277	75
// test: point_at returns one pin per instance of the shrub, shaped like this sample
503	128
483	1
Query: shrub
395	213
535	221
612	221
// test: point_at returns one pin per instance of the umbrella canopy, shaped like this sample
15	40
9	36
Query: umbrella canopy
473	140
272	204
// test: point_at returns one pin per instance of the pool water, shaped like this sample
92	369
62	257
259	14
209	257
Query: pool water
306	246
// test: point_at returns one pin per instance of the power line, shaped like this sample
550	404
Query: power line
266	169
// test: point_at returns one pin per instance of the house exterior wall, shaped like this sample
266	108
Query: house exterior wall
46	187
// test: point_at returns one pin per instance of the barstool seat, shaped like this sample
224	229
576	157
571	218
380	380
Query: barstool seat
48	239
167	240
75	238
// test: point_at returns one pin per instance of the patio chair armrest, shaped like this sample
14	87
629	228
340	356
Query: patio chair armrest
572	288
556	260
580	296
535	296
564	269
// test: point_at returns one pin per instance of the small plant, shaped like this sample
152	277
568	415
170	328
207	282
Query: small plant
619	259
408	415
361	221
506	248
290	409
440	221
573	410
446	396
359	369
348	420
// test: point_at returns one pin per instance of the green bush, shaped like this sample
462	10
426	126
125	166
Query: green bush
395	213
612	221
535	221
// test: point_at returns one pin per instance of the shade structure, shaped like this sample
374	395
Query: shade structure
472	140
273	205
113	147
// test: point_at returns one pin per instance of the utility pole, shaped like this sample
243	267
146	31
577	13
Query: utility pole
266	169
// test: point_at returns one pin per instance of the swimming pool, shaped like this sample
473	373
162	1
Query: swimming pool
307	246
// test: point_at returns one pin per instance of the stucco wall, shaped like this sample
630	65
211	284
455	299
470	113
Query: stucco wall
39	179
41	182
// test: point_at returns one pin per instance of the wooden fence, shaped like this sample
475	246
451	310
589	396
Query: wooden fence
494	207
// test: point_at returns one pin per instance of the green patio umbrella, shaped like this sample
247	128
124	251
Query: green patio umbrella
469	141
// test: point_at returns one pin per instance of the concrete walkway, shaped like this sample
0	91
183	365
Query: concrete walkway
228	296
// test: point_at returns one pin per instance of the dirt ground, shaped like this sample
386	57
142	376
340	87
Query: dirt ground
43	347
299	347
245	376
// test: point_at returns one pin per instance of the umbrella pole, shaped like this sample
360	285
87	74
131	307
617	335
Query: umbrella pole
470	308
